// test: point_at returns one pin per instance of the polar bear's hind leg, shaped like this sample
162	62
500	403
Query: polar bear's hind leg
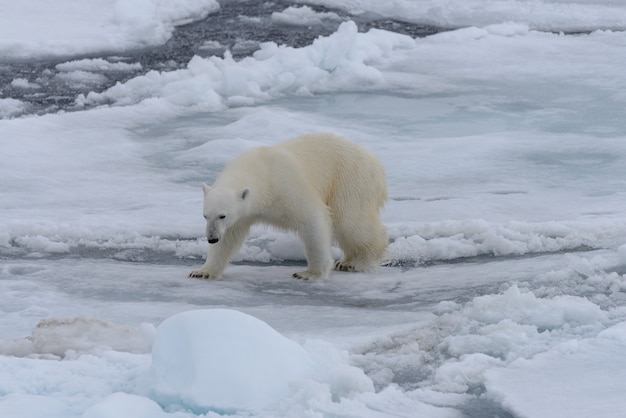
363	240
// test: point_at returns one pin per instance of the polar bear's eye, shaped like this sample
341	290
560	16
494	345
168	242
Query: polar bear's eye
222	216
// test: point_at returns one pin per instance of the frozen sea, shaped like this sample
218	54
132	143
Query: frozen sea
501	126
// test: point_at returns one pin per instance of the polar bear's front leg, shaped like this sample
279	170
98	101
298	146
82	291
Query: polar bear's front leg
216	262
220	253
317	238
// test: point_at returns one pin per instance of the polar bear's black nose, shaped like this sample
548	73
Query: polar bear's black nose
213	240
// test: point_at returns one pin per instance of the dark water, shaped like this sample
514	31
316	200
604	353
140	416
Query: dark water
239	26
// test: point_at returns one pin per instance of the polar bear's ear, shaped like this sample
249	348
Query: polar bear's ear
206	188
244	193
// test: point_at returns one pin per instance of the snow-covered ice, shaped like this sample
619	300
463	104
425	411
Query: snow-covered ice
11	107
225	361
577	371
37	28
504	144
302	16
559	15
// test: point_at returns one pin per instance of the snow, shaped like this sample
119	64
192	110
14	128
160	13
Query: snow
22	83
11	107
36	28
224	361
302	16
338	61
505	291
97	64
554	15
133	405
577	371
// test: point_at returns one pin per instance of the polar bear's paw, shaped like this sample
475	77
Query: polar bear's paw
306	276
202	274
341	266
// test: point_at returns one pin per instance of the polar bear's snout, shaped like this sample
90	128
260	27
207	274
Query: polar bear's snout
212	233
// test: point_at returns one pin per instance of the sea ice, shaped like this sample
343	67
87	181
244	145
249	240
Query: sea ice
123	404
37	29
576	376
302	16
225	361
11	107
502	144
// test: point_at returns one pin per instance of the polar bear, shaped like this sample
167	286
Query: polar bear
321	186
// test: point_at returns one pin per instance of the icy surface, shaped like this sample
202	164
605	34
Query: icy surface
37	28
578	371
302	16
224	361
557	15
505	289
12	107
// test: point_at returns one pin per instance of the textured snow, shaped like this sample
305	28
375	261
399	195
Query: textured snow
38	29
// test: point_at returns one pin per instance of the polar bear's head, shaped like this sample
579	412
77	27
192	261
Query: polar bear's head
222	208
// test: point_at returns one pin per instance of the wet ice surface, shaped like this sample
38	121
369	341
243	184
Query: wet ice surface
394	324
506	279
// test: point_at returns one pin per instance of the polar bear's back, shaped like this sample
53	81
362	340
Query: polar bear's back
343	173
344	176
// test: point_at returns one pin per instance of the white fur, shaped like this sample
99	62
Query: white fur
320	186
